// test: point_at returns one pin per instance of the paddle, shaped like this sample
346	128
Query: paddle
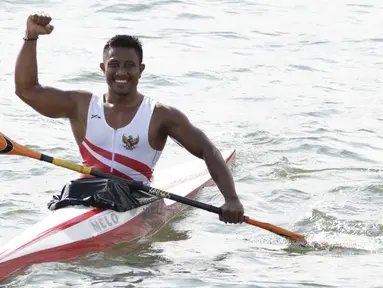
10	147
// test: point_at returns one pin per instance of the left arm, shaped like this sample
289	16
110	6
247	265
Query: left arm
177	126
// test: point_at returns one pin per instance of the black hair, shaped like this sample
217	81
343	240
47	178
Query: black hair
125	41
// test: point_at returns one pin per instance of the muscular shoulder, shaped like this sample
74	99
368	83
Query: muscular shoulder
176	125
81	96
169	116
81	101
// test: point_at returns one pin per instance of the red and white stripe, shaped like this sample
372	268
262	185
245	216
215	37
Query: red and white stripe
123	166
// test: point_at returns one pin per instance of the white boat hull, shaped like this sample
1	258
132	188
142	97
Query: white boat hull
70	232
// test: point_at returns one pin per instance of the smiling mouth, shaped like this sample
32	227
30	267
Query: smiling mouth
121	81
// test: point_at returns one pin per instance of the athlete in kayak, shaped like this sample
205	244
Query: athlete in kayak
121	132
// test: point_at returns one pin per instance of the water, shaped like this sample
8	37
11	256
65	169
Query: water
294	86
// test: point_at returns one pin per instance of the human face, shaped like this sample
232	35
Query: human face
122	70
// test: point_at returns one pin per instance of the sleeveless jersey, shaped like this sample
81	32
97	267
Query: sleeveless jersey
124	152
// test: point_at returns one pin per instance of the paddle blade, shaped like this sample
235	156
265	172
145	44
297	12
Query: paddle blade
291	236
10	147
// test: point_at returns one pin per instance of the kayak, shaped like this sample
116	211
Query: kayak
72	231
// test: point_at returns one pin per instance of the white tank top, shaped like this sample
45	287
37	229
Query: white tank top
124	152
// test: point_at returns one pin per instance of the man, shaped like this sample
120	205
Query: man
99	122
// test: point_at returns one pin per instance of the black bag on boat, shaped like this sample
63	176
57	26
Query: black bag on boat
100	193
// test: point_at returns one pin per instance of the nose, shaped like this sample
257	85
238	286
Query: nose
122	71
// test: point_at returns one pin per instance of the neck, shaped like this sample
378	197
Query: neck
127	100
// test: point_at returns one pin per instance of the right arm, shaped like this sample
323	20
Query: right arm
48	101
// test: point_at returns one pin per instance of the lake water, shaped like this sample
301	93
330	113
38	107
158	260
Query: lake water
294	86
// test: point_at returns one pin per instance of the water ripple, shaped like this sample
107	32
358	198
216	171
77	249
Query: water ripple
298	98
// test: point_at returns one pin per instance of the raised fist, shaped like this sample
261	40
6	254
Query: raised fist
38	24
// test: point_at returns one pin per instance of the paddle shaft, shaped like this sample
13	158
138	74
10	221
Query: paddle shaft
133	184
7	146
161	193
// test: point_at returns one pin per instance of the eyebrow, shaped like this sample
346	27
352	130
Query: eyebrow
125	62
114	59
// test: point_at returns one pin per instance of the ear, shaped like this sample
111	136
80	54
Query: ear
102	66
142	68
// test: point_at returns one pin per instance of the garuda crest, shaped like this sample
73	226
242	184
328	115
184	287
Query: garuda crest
130	142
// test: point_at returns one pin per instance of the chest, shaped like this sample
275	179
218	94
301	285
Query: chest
125	141
124	131
118	119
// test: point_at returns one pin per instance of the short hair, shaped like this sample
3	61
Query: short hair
125	41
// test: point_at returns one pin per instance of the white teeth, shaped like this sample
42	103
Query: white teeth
121	81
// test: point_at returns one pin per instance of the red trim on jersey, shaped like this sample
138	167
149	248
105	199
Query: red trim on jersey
124	160
90	161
